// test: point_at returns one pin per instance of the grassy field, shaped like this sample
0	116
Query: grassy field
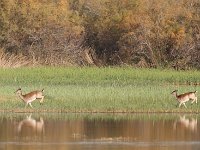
98	89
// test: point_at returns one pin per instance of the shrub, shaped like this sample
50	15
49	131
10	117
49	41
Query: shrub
43	31
12	61
144	33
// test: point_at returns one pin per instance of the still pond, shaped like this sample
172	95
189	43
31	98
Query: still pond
99	131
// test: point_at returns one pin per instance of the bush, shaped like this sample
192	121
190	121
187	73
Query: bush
150	32
142	33
12	61
43	31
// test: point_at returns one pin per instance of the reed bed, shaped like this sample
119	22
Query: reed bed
98	89
13	61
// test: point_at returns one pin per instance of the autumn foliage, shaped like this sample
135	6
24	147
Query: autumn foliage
139	33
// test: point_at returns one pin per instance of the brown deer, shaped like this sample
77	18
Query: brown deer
30	97
182	98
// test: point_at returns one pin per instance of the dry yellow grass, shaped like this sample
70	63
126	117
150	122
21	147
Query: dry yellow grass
13	61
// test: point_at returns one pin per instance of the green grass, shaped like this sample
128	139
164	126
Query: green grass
97	89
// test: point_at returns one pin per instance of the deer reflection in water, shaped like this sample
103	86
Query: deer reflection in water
31	126
187	123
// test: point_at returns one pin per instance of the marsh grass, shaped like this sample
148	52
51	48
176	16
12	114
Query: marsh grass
97	89
12	61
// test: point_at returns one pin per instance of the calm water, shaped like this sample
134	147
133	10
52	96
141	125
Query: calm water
99	132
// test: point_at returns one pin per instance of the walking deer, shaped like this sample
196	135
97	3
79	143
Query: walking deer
182	98
30	97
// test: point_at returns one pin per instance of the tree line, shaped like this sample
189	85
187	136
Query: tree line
139	33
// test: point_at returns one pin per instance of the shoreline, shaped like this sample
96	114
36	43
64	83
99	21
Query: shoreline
102	112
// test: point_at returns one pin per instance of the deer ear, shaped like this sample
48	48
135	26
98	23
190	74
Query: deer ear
174	91
17	90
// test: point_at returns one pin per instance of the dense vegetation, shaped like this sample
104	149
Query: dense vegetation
141	33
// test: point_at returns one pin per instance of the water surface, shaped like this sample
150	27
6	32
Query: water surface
99	131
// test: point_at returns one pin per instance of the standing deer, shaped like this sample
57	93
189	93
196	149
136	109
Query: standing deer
182	98
30	97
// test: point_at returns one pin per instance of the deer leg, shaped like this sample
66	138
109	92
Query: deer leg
184	105
179	104
193	101
30	105
42	99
